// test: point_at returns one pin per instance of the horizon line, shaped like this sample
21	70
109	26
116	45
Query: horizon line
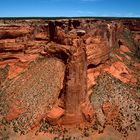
68	17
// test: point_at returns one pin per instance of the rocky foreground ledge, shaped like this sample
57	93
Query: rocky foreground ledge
67	72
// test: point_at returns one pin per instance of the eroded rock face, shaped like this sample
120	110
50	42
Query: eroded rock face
50	69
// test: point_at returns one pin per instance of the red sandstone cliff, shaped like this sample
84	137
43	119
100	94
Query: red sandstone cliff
64	71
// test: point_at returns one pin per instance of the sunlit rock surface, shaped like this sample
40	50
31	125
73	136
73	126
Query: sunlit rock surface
63	72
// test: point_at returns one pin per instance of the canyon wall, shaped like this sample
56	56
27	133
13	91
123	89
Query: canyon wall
53	69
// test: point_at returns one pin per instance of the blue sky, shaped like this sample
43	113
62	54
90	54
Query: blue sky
49	8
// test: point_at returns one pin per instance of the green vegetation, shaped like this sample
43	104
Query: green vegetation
86	134
4	134
95	127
